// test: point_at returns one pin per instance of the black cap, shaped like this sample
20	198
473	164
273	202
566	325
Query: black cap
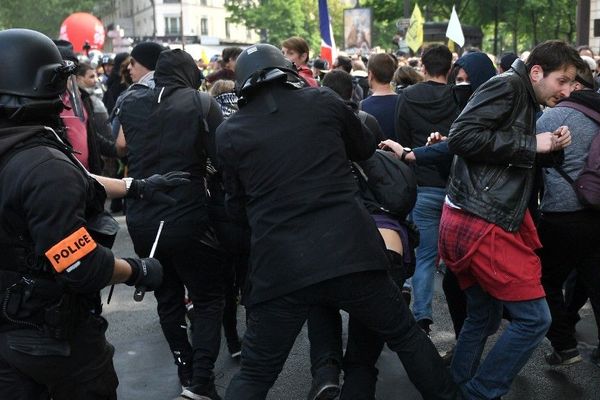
506	60
321	65
66	50
147	53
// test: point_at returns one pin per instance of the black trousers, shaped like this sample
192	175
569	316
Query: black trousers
188	261
35	367
372	298
235	241
237	268
456	299
571	241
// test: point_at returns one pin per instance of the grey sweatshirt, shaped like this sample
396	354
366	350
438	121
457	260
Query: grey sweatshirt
559	196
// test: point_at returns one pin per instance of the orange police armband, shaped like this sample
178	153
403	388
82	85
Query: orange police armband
71	249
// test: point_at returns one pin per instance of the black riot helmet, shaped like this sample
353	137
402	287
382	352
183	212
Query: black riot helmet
262	63
31	66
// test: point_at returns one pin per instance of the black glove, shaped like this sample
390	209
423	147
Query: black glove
145	272
153	189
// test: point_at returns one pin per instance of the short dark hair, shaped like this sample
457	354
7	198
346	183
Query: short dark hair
230	53
344	63
585	47
340	82
382	66
406	76
554	55
437	59
83	68
297	44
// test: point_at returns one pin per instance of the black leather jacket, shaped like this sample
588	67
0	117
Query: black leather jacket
494	141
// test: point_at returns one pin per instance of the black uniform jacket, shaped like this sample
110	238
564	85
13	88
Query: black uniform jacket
164	129
43	199
284	156
494	142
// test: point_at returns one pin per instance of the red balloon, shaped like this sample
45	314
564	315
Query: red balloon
81	27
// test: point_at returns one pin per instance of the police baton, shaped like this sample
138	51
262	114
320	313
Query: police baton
140	291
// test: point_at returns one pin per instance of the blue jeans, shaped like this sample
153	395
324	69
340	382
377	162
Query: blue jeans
492	379
372	298
426	215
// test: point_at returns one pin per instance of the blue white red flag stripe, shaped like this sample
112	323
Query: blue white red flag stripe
327	42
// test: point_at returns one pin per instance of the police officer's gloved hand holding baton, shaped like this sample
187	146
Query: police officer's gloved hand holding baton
146	279
153	188
145	272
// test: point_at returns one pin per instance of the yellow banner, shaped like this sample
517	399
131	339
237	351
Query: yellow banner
414	34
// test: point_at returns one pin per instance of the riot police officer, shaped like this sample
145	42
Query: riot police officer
53	262
313	243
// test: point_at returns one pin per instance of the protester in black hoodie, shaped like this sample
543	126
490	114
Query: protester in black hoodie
172	136
468	73
423	108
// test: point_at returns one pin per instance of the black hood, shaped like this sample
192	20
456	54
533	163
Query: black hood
14	136
176	68
432	101
585	97
478	66
115	75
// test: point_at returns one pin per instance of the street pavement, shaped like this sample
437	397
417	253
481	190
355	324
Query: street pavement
146	370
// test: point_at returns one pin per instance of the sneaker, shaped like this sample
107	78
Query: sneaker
200	392
325	384
563	357
447	356
185	373
328	391
184	369
425	325
235	348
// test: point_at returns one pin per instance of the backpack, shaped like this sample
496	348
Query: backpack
587	183
387	184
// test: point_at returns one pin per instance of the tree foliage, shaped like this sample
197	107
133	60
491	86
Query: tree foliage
515	25
42	15
521	23
277	20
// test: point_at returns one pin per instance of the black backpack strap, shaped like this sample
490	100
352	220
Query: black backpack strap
588	112
564	174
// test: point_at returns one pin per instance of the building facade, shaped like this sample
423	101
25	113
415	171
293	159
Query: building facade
594	25
193	22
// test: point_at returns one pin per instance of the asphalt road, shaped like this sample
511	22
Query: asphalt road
146	370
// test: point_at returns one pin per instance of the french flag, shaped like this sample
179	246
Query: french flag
327	43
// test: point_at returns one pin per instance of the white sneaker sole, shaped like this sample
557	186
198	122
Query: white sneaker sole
186	394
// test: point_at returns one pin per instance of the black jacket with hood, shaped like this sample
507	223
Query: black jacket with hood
291	177
170	135
421	109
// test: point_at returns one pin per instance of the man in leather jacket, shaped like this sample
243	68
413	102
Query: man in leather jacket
487	236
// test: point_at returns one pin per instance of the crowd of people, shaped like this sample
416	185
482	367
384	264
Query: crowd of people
296	189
